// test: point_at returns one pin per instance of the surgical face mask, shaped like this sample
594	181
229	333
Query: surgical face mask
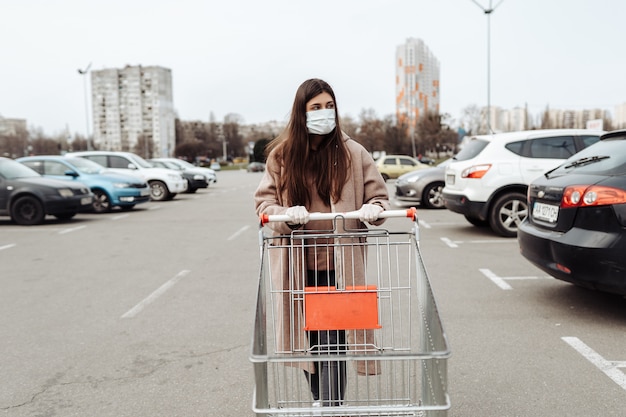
320	122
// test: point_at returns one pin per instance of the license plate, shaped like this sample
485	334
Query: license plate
545	212
450	179
145	192
85	200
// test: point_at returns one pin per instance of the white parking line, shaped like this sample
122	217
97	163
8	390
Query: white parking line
238	232
449	242
10	245
424	224
154	208
120	216
455	243
496	279
156	294
609	368
501	281
71	229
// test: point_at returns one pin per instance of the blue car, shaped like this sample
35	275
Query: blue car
109	189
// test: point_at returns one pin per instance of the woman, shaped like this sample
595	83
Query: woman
314	167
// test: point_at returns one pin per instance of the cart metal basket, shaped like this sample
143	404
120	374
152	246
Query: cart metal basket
394	356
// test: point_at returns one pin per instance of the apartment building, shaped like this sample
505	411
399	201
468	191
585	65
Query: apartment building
573	119
12	127
417	81
133	110
619	120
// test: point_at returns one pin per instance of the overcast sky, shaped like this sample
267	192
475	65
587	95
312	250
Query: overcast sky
249	56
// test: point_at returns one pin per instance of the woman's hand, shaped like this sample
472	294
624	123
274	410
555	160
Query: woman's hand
369	212
298	215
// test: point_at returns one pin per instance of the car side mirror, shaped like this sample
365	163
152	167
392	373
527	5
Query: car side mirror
132	166
71	173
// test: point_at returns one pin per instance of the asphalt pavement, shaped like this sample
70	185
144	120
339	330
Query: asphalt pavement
149	313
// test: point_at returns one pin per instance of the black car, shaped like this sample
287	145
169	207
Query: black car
576	228
27	197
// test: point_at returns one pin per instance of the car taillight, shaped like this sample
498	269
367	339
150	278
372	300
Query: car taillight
476	171
594	195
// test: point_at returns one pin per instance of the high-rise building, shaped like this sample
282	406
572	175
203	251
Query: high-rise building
619	119
133	110
417	82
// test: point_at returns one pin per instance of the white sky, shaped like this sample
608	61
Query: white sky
249	56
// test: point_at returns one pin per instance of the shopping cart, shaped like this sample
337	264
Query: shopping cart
392	357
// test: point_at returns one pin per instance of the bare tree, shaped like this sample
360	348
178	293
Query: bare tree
471	119
371	132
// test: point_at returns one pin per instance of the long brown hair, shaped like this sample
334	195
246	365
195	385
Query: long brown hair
327	166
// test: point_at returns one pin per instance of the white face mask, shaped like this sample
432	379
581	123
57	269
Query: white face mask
320	122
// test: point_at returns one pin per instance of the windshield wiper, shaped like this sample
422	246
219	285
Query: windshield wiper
586	161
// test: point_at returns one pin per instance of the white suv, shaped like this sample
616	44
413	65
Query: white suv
488	179
164	183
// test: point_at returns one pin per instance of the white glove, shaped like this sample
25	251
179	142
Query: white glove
298	215
369	212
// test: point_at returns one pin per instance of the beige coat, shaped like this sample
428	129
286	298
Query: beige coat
364	185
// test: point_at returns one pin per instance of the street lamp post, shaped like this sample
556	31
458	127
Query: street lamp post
488	12
84	74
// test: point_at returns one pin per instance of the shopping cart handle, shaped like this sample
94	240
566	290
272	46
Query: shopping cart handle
411	213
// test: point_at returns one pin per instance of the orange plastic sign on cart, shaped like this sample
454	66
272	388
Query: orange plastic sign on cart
326	308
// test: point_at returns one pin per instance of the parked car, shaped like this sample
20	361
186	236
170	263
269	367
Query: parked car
392	166
194	180
164	183
488	179
109	189
215	166
423	187
210	174
426	160
255	167
576	228
27	197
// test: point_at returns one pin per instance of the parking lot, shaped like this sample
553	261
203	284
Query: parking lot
149	313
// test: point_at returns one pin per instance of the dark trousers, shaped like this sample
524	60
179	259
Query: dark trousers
328	383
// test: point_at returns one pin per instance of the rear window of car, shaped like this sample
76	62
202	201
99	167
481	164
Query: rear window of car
589	140
471	149
604	158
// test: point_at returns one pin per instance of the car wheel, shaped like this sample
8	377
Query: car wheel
127	208
64	216
101	202
475	221
27	210
507	212
159	191
432	196
191	190
385	177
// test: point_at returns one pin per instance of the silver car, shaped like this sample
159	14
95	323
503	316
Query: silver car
423	186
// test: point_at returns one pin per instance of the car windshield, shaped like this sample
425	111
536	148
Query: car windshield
166	164
85	166
12	170
602	158
141	162
184	163
471	149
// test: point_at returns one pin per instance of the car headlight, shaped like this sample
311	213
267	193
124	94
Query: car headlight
121	185
413	179
198	177
65	192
